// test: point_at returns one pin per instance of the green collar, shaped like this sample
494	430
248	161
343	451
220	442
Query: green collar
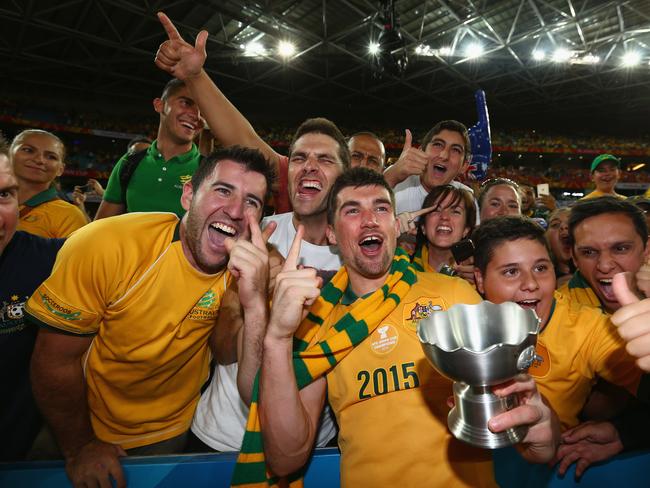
578	281
177	232
550	315
184	158
42	197
349	297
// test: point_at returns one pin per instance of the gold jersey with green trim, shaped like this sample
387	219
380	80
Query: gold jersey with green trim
50	216
577	344
579	291
127	282
391	405
598	194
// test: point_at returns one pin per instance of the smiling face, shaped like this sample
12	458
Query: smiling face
607	244
180	119
366	151
314	165
447	152
605	176
365	230
37	158
447	223
557	236
8	203
500	200
520	271
217	210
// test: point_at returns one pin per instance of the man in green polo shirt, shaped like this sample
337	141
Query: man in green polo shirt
157	182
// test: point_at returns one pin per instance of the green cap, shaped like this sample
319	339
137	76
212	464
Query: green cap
604	157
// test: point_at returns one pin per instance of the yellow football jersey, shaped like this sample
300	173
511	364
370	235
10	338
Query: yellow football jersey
55	218
578	290
579	343
127	282
391	404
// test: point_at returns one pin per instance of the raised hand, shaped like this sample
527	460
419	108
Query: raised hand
543	435
249	262
176	56
588	443
632	320
412	161
95	464
480	138
407	220
295	291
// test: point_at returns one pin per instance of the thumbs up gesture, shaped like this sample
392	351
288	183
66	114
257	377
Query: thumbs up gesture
296	289
632	320
412	161
178	57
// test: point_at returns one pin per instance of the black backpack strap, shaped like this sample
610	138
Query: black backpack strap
127	169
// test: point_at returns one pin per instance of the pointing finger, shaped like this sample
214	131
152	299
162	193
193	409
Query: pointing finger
169	27
268	231
417	213
294	252
256	233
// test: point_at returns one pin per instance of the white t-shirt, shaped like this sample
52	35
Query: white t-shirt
410	195
220	418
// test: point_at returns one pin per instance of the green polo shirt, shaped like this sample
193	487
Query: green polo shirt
156	185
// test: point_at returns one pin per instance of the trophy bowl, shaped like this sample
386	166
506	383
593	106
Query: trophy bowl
478	346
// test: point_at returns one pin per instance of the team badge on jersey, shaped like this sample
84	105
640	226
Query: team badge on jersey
384	339
11	315
207	307
542	362
420	309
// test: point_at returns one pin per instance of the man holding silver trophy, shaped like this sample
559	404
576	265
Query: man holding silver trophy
390	404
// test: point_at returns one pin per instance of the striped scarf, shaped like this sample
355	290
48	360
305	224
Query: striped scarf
420	259
310	363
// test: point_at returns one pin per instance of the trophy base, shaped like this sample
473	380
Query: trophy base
475	405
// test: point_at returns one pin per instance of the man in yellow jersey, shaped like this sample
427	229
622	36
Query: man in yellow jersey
607	236
576	342
389	402
140	294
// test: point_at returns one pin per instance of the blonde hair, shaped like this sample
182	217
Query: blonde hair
32	132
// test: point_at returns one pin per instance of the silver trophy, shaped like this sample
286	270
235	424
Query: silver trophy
478	346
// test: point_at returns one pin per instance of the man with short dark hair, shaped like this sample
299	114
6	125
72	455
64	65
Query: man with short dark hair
142	304
371	365
157	176
605	172
607	236
444	153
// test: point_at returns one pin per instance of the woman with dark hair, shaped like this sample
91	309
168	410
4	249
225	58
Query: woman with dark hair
451	217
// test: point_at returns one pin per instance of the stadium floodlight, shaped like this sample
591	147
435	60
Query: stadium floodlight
373	48
254	48
561	55
590	59
444	51
637	167
286	49
539	55
631	58
473	50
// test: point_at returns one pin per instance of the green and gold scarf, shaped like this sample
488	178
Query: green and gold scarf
310	363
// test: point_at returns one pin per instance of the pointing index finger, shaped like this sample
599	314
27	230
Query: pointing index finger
256	233
169	27
293	255
417	213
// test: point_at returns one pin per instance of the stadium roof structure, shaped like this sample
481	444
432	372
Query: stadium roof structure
580	62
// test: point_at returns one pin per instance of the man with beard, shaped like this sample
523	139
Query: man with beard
364	355
367	150
143	309
605	172
607	236
317	156
158	175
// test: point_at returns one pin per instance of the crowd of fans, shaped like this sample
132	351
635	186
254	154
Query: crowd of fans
299	281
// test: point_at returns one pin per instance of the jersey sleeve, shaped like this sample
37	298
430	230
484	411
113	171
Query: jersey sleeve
113	192
606	355
73	219
75	296
465	293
